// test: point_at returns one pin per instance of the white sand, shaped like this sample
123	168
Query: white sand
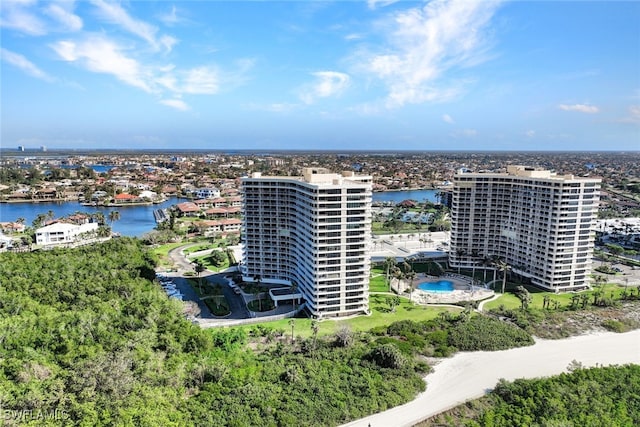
467	376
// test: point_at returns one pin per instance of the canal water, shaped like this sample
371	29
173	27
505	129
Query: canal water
138	220
134	220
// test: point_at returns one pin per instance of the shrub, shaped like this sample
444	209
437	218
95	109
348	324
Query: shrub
489	334
388	356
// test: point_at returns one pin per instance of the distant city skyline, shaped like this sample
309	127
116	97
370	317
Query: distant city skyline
347	75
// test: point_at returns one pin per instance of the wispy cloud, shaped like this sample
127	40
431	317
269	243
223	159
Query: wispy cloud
424	43
101	55
178	104
581	108
274	108
633	115
14	14
116	14
373	4
24	64
172	17
63	13
326	84
201	80
448	119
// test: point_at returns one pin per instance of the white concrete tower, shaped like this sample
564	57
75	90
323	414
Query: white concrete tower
540	223
314	231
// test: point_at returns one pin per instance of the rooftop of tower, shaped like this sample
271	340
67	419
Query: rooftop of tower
322	176
531	172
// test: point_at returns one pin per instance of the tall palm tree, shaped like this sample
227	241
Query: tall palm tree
292	323
475	255
114	216
199	268
294	289
460	253
486	261
315	327
504	268
389	264
410	275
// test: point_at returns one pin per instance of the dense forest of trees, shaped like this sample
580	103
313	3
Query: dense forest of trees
86	333
600	396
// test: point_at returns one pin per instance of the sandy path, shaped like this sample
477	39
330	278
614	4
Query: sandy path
468	376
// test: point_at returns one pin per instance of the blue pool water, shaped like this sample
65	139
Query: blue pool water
439	286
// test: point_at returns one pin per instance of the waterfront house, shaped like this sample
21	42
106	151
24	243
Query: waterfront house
61	233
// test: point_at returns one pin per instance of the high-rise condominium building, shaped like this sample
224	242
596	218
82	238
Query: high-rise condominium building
540	223
313	231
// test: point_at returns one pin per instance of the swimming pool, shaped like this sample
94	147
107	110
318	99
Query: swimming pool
439	286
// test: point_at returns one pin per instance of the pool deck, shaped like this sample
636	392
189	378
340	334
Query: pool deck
463	290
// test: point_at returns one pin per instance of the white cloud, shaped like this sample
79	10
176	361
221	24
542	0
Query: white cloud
274	108
373	4
65	16
582	108
101	55
424	43
633	116
171	18
14	15
178	104
530	133
114	13
326	84
448	119
24	64
201	80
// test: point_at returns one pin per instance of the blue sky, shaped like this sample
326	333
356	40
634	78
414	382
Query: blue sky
379	75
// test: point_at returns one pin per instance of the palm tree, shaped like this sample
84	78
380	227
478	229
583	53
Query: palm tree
294	289
409	275
315	327
258	279
398	275
486	261
199	268
114	216
389	264
292	323
494	260
460	253
504	268
474	261
99	217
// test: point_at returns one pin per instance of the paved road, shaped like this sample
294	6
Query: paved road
237	305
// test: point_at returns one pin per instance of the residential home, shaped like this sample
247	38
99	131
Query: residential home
187	209
62	232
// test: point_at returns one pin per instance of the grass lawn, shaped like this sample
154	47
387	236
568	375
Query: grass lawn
378	283
510	301
407	228
196	248
380	315
162	252
206	261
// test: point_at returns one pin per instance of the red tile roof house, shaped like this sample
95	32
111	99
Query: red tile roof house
216	213
203	203
188	209
125	198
